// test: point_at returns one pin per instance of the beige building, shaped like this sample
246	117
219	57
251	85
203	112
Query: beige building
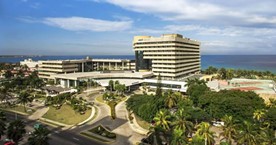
113	64
171	55
49	67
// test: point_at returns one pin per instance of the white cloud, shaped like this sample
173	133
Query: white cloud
238	12
82	24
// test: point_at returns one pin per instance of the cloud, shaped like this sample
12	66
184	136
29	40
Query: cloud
237	12
81	23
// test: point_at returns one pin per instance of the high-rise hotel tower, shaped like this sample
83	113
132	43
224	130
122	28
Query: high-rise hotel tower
171	55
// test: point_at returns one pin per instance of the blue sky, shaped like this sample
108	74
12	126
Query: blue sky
107	27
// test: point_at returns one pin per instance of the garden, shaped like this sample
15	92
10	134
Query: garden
113	96
101	134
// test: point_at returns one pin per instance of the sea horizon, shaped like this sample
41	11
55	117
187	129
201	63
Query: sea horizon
247	62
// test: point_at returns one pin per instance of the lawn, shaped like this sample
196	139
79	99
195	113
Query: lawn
100	99
18	108
66	115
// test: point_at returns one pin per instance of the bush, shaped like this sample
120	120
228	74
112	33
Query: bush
145	106
111	135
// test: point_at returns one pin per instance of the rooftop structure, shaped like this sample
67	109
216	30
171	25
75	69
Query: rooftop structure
30	63
72	79
171	55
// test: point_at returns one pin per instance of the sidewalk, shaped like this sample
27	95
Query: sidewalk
38	113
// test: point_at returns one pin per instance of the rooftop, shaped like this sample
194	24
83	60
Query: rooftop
103	75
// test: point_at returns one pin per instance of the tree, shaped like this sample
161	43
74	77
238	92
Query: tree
24	98
20	73
2	123
272	102
203	130
239	104
39	136
171	99
178	137
267	137
8	74
180	122
222	73
196	88
158	92
247	135
5	95
162	119
229	131
259	115
111	85
271	117
211	70
16	130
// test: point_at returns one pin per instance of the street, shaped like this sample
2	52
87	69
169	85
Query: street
57	136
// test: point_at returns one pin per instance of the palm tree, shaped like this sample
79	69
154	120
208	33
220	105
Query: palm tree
247	135
5	95
178	137
162	119
16	130
181	122
39	136
267	137
229	129
111	85
24	98
259	115
171	99
272	102
203	130
2	123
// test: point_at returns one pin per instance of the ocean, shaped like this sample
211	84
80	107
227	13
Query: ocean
249	62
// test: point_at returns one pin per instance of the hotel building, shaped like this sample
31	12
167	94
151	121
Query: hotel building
171	55
50	67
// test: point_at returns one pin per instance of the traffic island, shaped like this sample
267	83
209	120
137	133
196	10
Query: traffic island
66	115
100	134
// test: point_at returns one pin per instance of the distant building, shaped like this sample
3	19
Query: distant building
171	55
32	65
50	67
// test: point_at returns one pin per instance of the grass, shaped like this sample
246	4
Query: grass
100	99
111	104
144	124
18	108
101	130
66	115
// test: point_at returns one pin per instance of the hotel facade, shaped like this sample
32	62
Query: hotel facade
51	67
171	55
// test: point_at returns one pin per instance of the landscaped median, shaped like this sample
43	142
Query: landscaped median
100	134
66	115
111	100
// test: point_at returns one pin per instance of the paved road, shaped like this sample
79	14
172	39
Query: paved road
120	126
58	137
